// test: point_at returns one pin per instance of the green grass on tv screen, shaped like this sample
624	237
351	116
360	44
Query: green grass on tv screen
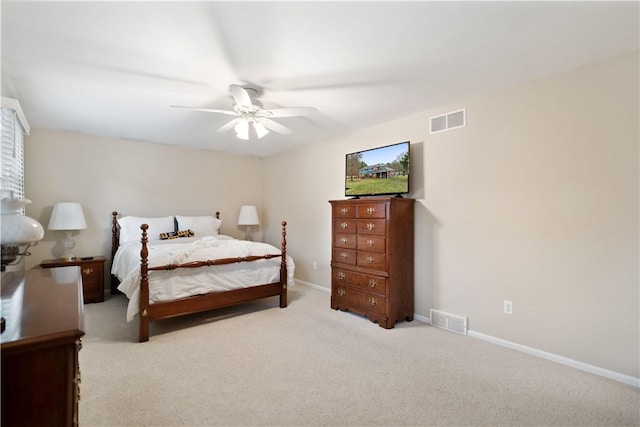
359	186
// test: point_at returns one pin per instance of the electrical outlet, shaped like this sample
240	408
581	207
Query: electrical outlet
315	265
508	307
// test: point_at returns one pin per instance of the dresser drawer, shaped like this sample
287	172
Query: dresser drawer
345	241
371	243
341	277
344	211
373	260
364	281
353	298
91	271
344	225
344	256
372	210
371	226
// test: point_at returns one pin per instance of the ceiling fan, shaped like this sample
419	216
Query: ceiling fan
249	111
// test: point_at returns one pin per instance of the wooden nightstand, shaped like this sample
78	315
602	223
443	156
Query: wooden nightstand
92	275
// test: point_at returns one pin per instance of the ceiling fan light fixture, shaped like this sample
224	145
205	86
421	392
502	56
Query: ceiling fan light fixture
248	110
260	129
242	129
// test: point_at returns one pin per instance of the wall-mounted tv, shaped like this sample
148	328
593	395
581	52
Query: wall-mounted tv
378	171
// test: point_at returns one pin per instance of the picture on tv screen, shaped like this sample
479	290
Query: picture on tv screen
378	171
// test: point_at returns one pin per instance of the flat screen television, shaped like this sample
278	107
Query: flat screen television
378	171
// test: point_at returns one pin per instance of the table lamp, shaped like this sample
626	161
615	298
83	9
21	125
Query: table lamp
67	216
248	216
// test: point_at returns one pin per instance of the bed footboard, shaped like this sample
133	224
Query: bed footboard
149	312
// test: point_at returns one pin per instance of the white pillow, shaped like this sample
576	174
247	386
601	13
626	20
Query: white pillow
200	225
130	227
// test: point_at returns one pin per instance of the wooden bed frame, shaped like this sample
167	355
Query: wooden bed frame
198	303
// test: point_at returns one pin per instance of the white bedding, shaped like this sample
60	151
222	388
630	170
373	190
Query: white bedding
171	285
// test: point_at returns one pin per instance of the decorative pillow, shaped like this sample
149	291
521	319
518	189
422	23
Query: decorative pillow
168	235
176	234
200	225
130	227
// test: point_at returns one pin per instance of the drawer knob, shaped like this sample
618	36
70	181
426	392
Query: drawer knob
344	240
370	211
344	255
373	283
370	259
341	292
370	226
343	225
341	275
87	271
369	242
344	211
373	301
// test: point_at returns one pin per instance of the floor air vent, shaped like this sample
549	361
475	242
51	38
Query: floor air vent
453	120
450	322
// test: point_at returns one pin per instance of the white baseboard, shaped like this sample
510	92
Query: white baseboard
424	319
626	379
313	285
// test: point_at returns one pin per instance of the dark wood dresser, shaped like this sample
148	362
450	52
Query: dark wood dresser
44	321
92	270
372	258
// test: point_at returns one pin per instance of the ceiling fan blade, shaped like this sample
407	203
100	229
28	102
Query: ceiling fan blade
274	126
230	124
287	112
241	96
208	110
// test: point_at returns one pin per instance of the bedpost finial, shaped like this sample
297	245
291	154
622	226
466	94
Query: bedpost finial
144	227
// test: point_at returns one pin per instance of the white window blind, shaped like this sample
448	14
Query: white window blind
12	183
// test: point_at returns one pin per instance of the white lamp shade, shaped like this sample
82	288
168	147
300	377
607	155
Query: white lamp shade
67	216
248	216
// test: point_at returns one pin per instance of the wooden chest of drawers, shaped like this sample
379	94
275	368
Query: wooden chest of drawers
44	317
372	258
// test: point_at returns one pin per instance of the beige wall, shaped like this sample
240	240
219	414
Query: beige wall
535	201
135	178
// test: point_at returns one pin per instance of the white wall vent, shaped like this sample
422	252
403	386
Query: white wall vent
453	120
448	321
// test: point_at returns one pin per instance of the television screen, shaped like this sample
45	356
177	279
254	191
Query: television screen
378	171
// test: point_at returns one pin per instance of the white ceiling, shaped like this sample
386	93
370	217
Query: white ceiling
113	68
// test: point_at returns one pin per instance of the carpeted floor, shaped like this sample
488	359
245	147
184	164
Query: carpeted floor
308	365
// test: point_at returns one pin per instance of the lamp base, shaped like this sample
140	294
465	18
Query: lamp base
247	234
68	244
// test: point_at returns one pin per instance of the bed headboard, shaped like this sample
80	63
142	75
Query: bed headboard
115	242
115	232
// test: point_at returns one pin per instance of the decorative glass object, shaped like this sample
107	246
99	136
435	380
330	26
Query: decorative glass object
17	230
